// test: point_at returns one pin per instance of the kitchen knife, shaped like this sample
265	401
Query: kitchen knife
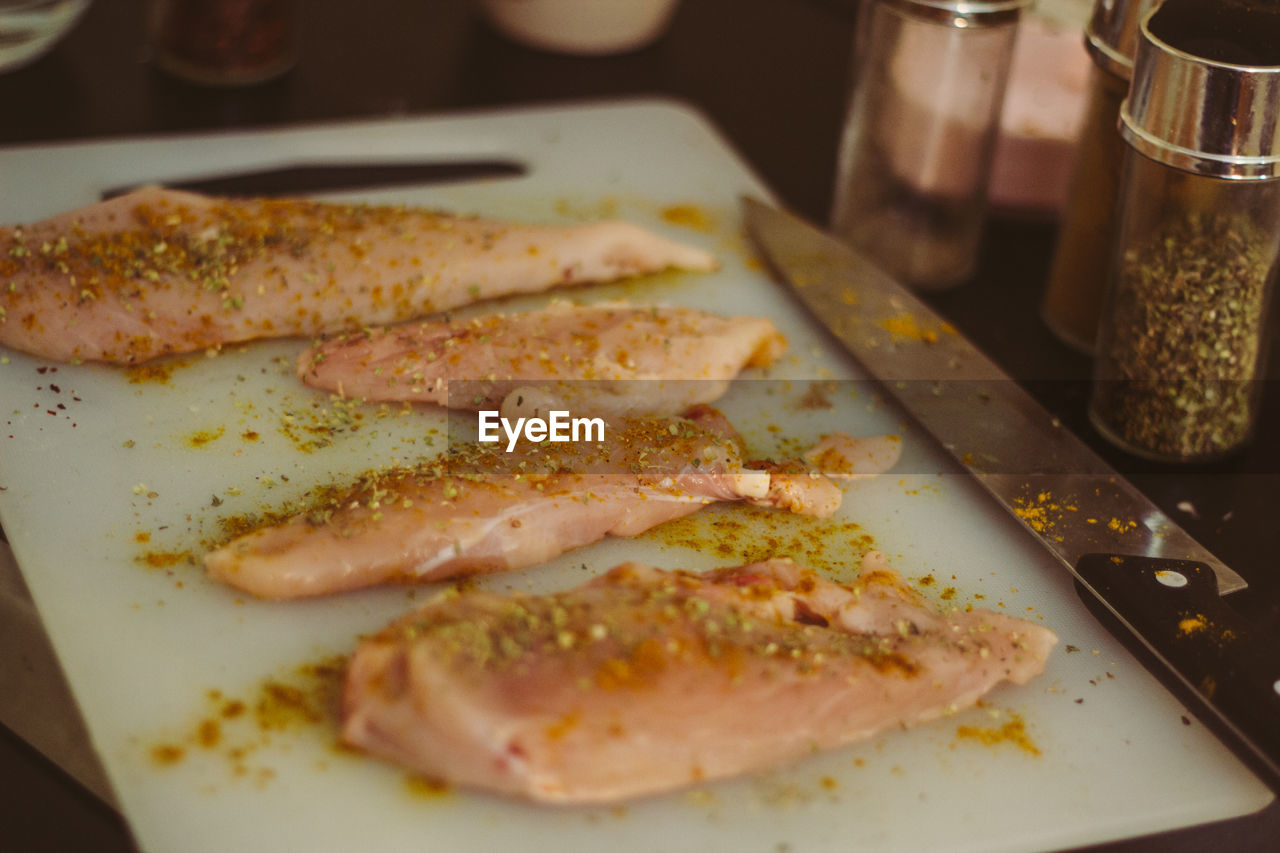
1158	582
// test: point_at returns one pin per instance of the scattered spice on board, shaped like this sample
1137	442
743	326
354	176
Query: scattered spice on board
1188	316
747	534
1012	731
166	559
204	437
158	372
425	787
689	216
818	396
241	729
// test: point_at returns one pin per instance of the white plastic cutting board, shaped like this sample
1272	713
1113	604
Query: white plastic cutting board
101	469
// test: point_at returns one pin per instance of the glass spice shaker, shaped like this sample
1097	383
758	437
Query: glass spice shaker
1181	345
225	42
1077	280
920	132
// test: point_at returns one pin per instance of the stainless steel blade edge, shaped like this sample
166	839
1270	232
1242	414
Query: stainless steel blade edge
1059	489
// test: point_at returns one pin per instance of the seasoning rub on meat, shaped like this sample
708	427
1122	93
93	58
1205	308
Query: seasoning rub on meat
159	271
483	510
608	358
644	680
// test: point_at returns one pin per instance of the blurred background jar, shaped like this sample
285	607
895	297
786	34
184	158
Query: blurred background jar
1073	295
29	28
225	42
1179	363
916	152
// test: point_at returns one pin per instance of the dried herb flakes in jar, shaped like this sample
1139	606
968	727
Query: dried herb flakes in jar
1187	324
1179	357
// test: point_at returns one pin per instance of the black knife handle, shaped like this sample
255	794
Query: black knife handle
1173	607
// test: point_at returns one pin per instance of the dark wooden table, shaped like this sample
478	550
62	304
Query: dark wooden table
772	74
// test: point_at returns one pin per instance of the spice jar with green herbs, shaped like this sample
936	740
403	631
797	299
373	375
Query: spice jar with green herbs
1180	349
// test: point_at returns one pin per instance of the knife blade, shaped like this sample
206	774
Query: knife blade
1162	587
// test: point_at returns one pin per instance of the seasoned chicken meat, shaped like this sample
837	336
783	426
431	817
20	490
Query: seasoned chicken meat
482	509
610	358
159	271
644	680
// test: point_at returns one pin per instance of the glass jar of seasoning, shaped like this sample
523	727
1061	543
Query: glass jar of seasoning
1181	345
1078	273
225	42
920	132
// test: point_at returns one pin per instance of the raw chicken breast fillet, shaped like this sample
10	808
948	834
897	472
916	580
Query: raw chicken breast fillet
159	271
608	358
482	509
644	680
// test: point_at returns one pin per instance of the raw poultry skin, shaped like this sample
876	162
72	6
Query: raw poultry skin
159	271
644	680
611	358
484	510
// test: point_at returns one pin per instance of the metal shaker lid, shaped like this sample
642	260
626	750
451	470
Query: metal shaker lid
1111	36
963	13
1205	95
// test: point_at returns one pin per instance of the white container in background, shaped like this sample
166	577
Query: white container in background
585	27
30	28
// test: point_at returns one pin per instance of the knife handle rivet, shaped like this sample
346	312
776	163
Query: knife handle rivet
1173	579
1276	686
